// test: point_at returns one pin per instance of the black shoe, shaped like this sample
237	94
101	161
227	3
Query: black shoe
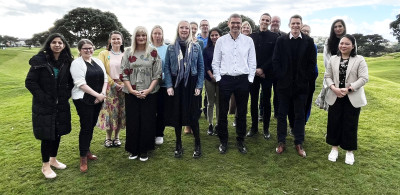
222	148
210	130
267	135
178	151
251	133
197	151
241	147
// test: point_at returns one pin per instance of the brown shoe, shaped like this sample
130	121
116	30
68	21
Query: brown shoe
281	147
300	150
83	167
91	156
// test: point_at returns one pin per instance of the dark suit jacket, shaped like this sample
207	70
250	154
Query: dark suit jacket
293	76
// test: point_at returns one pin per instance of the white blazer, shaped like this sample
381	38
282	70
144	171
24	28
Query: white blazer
356	77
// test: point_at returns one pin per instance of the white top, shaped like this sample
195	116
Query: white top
78	72
234	57
115	65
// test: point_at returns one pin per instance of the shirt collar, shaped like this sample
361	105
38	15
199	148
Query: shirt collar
291	36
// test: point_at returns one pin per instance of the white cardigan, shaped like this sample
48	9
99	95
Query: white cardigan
78	72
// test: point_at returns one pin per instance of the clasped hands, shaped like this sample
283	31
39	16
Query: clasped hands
170	91
340	92
100	98
140	94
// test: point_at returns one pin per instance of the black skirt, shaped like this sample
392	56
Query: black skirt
184	108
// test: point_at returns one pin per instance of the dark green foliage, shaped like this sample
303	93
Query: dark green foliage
395	27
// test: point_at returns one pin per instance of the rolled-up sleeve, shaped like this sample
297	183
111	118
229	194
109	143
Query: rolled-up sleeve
78	72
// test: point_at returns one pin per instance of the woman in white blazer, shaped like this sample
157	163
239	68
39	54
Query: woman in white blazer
346	74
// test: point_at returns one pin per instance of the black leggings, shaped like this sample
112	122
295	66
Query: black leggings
49	148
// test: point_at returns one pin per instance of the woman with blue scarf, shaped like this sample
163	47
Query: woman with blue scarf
184	76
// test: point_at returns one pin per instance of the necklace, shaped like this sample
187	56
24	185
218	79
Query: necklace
112	51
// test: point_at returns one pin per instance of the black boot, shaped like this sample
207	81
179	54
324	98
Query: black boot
197	151
178	150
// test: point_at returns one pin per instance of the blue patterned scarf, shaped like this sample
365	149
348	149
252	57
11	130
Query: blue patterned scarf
183	62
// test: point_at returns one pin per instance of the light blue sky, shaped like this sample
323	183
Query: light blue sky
23	18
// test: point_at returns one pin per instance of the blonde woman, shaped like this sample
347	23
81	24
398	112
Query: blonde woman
184	76
141	70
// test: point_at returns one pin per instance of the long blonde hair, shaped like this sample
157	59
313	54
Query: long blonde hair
190	38
140	29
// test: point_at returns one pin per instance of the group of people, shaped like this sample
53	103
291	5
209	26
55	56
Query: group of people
151	85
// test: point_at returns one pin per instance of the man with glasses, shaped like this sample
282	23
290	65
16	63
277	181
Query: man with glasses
234	67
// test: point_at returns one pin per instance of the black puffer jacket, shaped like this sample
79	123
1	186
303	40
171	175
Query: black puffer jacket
51	114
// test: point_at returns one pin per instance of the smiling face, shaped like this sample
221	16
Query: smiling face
157	36
204	26
246	30
57	45
235	25
306	30
345	46
141	39
275	24
183	30
339	29
295	25
86	51
265	21
116	40
214	35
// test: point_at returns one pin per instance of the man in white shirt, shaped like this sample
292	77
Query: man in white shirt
234	67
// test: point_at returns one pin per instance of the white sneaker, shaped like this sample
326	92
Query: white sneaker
132	157
159	140
333	155
59	165
349	158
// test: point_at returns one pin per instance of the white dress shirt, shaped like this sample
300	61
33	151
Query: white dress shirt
234	57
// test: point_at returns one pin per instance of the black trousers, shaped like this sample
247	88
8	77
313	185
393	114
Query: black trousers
275	99
239	86
162	93
299	102
265	103
311	89
140	123
343	124
88	115
49	148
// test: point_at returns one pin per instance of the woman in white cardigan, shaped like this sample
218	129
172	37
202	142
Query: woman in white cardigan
345	75
90	84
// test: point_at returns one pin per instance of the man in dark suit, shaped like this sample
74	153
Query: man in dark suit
293	62
264	42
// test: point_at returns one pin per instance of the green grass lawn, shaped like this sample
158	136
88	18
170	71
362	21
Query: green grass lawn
260	171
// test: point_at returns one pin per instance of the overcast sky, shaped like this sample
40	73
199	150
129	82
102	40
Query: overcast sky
23	18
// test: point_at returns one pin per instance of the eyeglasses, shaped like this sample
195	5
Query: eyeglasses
87	49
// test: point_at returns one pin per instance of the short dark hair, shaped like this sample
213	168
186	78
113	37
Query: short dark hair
234	15
353	41
296	16
266	14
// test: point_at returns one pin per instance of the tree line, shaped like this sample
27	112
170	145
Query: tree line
95	25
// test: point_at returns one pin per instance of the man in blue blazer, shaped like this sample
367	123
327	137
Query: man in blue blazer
293	63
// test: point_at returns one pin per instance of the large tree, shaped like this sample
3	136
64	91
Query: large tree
88	23
395	27
370	45
225	29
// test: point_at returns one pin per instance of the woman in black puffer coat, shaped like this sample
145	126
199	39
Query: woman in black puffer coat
50	82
